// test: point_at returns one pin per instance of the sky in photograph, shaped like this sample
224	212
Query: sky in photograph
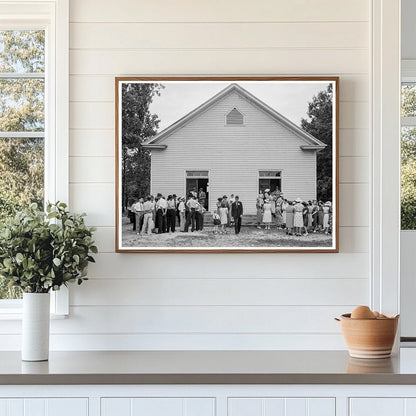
288	98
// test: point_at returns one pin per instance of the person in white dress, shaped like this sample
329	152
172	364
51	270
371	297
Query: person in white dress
223	213
326	210
298	218
267	214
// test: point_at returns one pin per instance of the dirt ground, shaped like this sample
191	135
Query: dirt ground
249	237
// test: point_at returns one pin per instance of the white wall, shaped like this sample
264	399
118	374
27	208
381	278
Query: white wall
240	301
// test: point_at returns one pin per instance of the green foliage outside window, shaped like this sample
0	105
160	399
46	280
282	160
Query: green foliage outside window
21	110
408	160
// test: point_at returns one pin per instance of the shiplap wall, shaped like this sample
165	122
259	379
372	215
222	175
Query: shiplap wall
241	301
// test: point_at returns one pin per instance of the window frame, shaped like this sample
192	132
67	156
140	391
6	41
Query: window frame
53	17
408	77
279	177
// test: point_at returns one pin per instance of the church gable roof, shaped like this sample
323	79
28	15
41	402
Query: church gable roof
311	143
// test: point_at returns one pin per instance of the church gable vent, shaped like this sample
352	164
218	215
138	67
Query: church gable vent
234	118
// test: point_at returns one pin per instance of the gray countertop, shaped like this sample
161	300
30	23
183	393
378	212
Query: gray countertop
207	367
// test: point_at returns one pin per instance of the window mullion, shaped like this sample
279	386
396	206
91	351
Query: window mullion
22	75
408	121
24	134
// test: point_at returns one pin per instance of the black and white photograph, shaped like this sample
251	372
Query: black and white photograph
227	164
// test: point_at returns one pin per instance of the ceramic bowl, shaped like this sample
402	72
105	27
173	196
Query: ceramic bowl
369	338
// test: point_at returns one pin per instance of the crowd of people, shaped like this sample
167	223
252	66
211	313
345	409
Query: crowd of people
160	214
297	217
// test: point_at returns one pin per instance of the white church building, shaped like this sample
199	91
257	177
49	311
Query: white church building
234	144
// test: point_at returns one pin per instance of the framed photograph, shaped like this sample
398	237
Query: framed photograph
226	164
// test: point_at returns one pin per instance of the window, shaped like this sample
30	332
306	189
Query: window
270	179
408	156
22	124
33	163
234	118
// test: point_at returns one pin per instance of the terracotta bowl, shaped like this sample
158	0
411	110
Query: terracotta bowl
369	338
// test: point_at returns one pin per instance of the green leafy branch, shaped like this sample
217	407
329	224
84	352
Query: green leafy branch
43	251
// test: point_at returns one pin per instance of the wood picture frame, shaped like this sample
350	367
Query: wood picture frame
187	146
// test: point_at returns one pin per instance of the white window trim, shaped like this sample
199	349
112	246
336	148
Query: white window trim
409	70
57	108
385	186
270	170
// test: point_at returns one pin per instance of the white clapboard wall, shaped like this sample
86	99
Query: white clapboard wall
221	301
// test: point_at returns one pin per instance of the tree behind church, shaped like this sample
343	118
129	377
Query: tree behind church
138	125
320	126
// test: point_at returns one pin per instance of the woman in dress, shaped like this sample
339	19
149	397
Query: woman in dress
314	215
290	212
305	213
310	218
283	209
298	217
223	212
320	215
267	214
229	205
326	209
279	214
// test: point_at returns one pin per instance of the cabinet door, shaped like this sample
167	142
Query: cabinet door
254	406
378	406
160	406
44	407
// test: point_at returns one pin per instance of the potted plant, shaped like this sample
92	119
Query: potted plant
40	252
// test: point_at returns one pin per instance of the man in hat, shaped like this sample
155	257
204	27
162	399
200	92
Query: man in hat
192	205
237	213
161	210
148	208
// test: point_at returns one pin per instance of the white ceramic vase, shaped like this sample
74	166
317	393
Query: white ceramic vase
35	326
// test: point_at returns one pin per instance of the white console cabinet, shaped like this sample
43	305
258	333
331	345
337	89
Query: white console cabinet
44	407
208	400
177	406
382	406
273	406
